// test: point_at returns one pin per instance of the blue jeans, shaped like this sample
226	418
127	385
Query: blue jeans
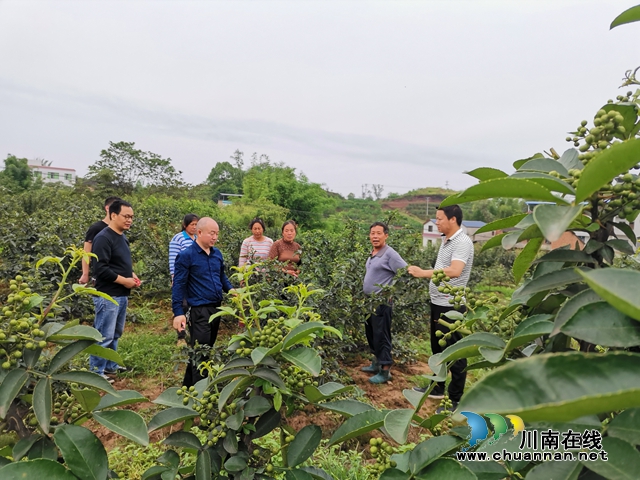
109	322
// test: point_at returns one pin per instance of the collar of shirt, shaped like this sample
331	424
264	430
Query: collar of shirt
380	252
455	234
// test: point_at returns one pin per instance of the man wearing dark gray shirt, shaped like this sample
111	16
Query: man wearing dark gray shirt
381	267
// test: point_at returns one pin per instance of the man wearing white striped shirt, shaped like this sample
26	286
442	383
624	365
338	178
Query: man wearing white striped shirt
455	257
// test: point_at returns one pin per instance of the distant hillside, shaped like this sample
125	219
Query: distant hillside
415	202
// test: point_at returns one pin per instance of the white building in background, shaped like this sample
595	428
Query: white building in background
49	174
430	233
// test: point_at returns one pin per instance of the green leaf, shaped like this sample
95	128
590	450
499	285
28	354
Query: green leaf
270	376
11	386
297	474
565	255
468	346
447	468
626	426
87	398
618	287
203	466
317	473
601	324
553	220
256	406
234	421
260	353
503	188
627	230
226	375
107	353
488	470
486	173
623	460
357	425
493	242
39	468
170	398
571	306
234	464
622	246
327	390
267	423
630	15
42	406
230	389
125	397
301	332
605	166
43	448
530	329
305	358
394	474
502	223
22	446
170	416
558	387
545	165
430	450
558	278
547	181
184	440
397	423
82	452
555	471
78	332
89	379
347	408
518	163
569	160
126	423
526	257
303	445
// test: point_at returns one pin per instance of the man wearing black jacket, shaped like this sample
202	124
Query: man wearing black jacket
114	275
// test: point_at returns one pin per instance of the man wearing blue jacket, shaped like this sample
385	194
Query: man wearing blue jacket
199	278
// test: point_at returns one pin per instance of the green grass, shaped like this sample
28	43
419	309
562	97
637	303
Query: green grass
506	291
149	354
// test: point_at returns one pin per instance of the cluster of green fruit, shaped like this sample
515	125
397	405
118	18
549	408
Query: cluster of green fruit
210	419
66	407
296	379
381	451
272	333
19	329
607	125
459	296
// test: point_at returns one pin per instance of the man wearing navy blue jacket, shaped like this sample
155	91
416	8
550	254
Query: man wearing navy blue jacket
200	279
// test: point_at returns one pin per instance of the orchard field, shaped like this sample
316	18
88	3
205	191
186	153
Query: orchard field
552	337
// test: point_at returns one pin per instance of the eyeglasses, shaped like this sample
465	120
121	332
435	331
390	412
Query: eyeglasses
126	217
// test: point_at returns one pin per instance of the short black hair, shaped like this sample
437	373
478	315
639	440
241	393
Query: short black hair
257	220
453	211
116	206
384	226
290	222
188	218
110	200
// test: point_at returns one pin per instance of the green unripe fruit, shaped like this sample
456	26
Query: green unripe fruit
602	144
439	333
247	351
6	365
238	351
42	344
17	354
442	342
269	468
374	450
256	452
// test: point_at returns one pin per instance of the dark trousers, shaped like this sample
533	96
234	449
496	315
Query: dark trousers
204	333
378	331
458	375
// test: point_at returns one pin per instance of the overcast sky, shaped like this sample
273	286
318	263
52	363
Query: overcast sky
403	94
